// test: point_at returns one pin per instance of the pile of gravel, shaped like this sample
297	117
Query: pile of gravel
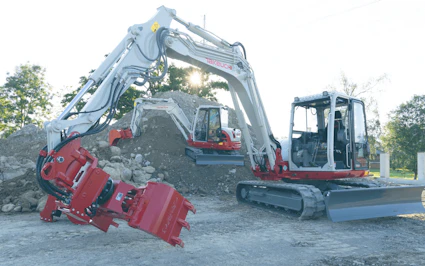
158	155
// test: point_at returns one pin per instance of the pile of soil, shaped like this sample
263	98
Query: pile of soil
161	146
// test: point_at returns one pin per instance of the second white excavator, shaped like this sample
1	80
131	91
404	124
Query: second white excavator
209	138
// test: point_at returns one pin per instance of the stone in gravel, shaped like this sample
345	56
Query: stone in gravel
103	144
141	177
139	158
113	172
8	207
115	151
161	176
41	203
127	174
184	190
17	209
102	163
7	200
149	169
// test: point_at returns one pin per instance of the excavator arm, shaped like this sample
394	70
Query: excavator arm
141	104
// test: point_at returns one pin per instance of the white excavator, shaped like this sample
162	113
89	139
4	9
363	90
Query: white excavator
209	138
322	167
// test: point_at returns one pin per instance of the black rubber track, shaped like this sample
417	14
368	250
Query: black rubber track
312	199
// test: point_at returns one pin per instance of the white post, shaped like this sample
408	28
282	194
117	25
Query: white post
385	165
421	166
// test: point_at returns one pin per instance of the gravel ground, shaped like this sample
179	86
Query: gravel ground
223	233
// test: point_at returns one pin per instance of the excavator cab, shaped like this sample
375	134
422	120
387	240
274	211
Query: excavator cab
212	141
328	134
209	123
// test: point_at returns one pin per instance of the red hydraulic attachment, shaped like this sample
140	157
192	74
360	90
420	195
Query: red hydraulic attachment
116	134
97	200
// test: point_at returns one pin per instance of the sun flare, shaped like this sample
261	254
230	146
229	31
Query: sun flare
195	78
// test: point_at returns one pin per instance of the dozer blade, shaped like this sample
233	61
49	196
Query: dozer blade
365	203
201	158
214	159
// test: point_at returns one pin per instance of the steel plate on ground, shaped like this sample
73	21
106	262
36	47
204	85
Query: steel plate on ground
365	203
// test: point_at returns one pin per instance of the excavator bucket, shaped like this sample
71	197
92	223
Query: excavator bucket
201	158
116	134
365	203
162	213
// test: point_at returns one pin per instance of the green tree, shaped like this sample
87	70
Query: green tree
176	79
365	93
181	79
24	98
404	134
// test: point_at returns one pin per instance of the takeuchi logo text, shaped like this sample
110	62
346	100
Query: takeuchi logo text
218	63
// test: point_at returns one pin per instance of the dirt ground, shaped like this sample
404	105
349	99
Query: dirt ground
223	233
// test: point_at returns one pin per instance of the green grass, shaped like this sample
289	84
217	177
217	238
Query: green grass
397	173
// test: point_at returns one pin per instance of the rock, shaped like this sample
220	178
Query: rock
139	158
29	194
29	165
184	190
17	209
8	207
114	173
103	144
132	155
233	171
161	176
41	203
149	169
7	200
115	151
127	174
102	163
28	199
140	177
116	159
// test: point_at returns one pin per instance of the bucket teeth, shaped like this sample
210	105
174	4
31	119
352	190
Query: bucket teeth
184	223
177	241
190	206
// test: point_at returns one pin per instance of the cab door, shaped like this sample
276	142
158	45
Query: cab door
208	125
360	146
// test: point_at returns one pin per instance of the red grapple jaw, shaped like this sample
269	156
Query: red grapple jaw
162	211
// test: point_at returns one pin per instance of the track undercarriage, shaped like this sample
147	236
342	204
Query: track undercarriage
342	200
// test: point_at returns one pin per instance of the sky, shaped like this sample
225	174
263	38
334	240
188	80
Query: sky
296	48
